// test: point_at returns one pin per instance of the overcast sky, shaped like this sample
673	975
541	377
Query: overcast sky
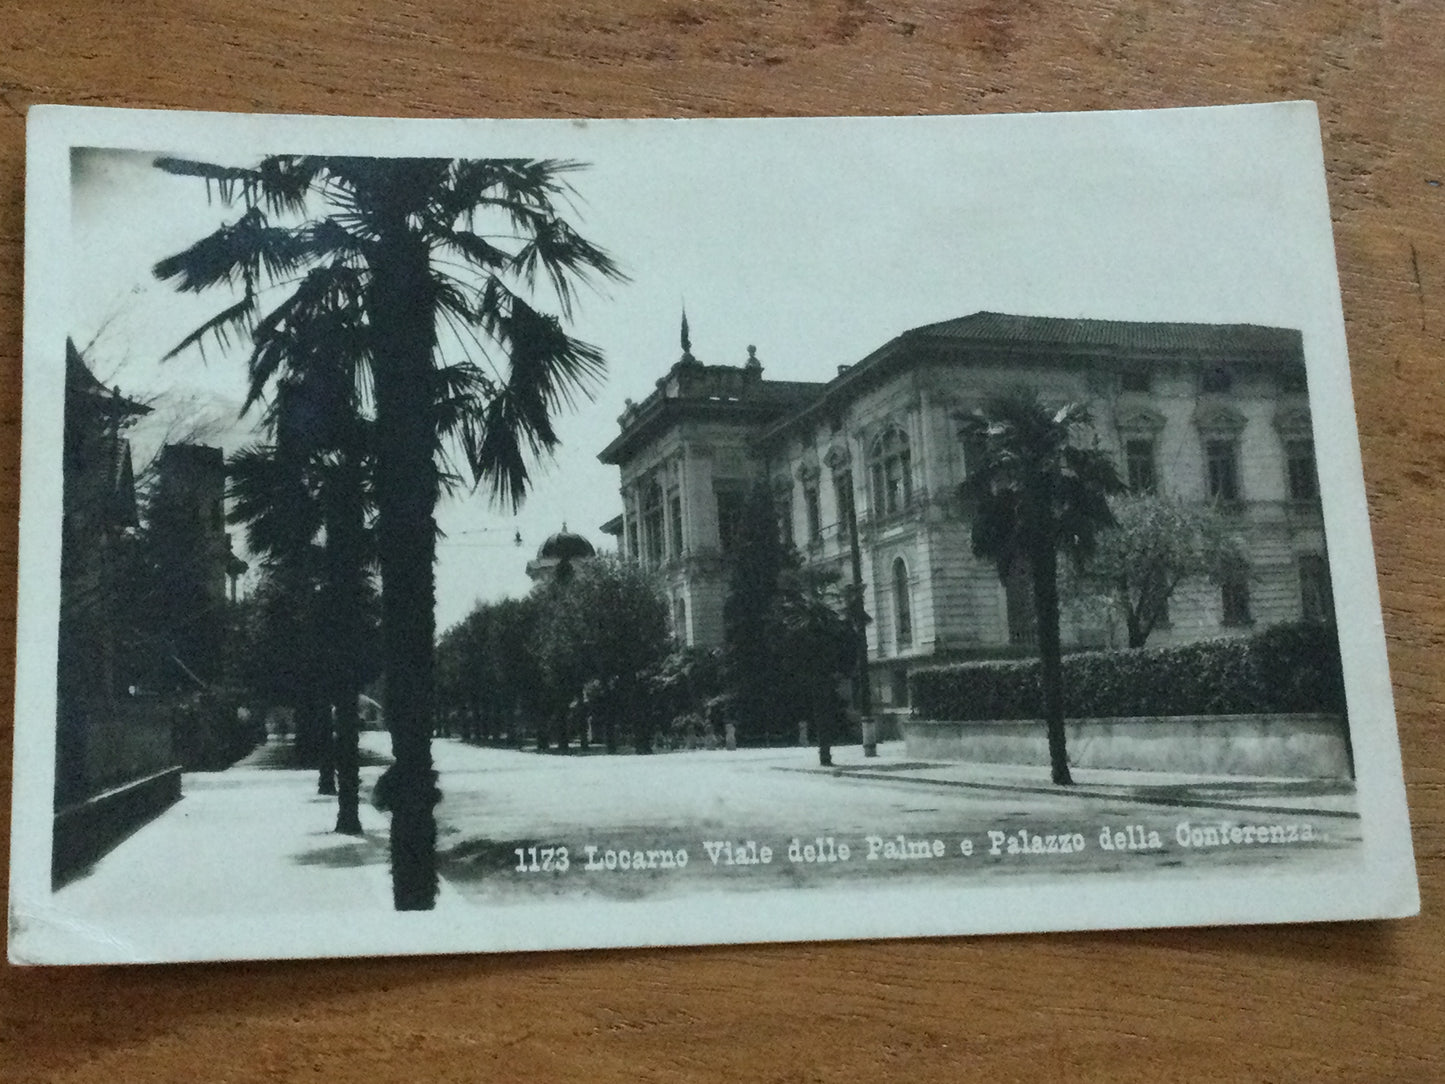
815	240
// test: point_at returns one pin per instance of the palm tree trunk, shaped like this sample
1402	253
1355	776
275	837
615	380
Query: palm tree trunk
326	774
348	781
1045	568
346	541
401	311
311	723
826	709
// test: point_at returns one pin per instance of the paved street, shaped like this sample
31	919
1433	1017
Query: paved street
256	840
893	819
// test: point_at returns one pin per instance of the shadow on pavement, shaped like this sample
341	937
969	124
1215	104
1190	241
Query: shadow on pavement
280	753
345	852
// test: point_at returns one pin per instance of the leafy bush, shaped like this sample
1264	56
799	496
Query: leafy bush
211	735
689	731
684	681
1288	668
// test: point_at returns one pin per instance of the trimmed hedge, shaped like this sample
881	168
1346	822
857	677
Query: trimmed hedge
1285	669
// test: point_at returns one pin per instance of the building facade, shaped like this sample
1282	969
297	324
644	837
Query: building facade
1215	414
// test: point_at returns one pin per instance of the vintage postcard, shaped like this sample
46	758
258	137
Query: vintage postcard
446	536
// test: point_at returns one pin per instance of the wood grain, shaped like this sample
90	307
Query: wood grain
1356	1002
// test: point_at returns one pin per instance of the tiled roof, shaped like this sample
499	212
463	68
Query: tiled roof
1133	342
1217	339
79	380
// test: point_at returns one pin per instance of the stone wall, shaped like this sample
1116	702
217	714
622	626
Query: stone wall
85	831
1292	746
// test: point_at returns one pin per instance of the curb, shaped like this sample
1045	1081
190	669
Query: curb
1116	792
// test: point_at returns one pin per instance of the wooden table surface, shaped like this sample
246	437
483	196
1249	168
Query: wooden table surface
1352	1002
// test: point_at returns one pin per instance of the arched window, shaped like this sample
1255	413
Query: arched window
902	604
892	473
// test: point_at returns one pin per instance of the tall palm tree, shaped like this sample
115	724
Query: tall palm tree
435	255
1034	494
318	418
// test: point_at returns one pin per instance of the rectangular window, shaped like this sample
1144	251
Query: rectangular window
1139	465
783	507
1222	459
843	495
1300	463
1217	380
900	482
1234	598
814	512
729	518
891	473
1316	599
1135	380
674	506
898	687
633	551
652	526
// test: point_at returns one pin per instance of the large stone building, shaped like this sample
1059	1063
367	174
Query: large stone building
98	504
1205	412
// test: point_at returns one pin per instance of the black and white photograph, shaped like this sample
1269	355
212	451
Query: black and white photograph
459	536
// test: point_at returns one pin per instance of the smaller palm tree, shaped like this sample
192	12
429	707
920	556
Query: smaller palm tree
306	500
1034	494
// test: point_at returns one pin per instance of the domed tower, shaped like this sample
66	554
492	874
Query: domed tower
555	556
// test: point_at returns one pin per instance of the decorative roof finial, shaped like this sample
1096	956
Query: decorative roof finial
686	338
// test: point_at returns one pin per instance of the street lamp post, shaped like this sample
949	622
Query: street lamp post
858	616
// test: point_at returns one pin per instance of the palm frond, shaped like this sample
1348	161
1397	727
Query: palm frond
236	254
229	180
319	324
284	182
565	257
269	494
475	249
544	361
500	445
1032	486
470	183
235	319
280	183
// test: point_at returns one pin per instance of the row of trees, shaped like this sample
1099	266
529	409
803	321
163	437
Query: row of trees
387	306
590	657
573	661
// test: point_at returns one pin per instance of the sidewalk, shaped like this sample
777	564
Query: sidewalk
280	853
1319	797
